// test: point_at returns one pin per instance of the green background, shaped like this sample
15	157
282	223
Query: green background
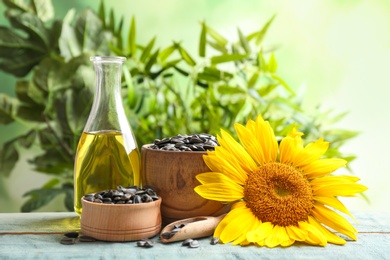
334	52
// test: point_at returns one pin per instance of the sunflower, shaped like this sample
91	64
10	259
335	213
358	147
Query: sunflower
280	194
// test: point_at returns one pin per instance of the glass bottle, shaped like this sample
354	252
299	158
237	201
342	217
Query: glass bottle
107	153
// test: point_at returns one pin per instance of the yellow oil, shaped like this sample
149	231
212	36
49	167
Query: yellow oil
102	162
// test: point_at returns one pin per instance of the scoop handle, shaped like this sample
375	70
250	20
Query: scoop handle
193	228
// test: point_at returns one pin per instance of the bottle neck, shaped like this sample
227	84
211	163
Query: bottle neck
107	113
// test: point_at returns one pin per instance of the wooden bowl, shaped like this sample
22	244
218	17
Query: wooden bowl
172	175
124	222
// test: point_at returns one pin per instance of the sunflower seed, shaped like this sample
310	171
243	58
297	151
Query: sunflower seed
145	243
167	235
214	241
193	244
187	242
68	240
86	239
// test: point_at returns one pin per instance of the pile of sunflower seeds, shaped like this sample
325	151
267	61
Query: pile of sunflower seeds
193	142
123	195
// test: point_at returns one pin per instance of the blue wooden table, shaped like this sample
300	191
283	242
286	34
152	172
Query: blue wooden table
38	235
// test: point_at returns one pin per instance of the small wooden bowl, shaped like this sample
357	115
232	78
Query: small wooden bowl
173	176
124	222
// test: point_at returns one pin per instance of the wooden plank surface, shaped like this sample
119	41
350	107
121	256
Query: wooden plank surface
37	235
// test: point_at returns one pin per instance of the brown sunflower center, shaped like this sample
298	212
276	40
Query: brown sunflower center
278	193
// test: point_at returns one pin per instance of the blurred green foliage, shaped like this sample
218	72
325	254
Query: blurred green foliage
167	90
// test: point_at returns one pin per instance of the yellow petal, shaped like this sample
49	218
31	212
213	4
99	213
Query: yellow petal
288	243
339	190
260	233
290	146
334	220
266	138
251	146
330	237
237	228
315	236
331	180
297	233
230	166
310	153
216	186
214	177
334	203
233	214
243	240
322	167
277	237
237	151
211	160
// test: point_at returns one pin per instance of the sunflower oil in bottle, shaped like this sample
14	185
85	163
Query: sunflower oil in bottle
107	153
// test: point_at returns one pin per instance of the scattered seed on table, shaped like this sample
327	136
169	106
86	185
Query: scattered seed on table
68	240
214	241
187	242
86	239
193	244
145	243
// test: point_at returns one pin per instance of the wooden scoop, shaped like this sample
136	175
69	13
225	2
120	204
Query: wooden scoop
190	228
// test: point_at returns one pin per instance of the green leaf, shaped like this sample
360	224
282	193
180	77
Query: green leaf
51	183
17	4
89	33
185	55
6	109
253	79
111	24
39	198
30	112
259	36
164	54
202	41
69	196
34	27
18	56
283	83
151	62
68	42
217	46
78	105
244	42
272	64
214	74
21	90
118	34
216	36
230	90
146	52
102	13
227	58
43	9
55	34
8	157
132	47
